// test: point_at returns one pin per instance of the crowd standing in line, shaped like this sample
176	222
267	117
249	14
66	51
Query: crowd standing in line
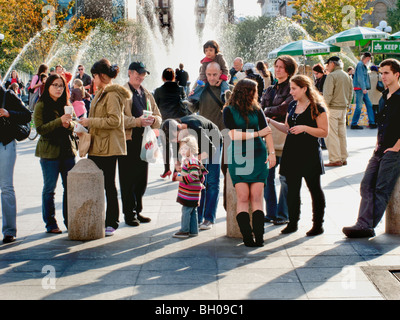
281	115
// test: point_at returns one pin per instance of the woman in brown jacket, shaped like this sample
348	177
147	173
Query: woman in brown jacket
106	127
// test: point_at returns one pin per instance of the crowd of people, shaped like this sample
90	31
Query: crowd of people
242	123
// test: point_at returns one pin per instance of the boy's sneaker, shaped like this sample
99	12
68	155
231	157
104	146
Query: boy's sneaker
181	235
110	231
206	225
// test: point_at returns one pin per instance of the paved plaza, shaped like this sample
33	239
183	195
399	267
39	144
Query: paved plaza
145	262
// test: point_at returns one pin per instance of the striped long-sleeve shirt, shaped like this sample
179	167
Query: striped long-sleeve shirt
190	188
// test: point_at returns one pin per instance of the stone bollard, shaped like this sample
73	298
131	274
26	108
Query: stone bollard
86	202
232	227
393	211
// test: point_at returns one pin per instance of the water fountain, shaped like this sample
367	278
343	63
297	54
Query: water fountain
160	48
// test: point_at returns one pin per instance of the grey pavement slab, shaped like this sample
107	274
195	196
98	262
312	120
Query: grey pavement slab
146	263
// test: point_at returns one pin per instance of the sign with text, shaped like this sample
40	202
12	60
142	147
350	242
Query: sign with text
385	47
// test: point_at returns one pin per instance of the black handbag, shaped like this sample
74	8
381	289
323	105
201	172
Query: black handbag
379	85
20	131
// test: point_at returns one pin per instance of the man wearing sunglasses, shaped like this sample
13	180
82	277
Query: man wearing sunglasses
84	77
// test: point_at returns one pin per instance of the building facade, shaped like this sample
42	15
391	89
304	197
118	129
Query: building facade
381	8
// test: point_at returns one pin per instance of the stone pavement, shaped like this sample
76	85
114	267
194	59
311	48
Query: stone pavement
147	263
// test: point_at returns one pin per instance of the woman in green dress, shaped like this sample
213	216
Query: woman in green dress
248	159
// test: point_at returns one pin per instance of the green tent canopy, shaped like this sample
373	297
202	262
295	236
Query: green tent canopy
395	36
357	36
303	48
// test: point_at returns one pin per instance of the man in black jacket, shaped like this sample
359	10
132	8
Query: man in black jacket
209	140
383	169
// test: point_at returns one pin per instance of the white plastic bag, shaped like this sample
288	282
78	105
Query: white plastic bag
150	151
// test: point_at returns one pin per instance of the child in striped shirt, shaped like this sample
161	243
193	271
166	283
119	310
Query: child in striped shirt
190	186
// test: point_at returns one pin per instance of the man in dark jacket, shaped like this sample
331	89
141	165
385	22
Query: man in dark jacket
182	78
209	140
383	169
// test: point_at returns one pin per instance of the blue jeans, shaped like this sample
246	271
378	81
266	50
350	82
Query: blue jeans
189	220
376	188
8	202
207	209
276	210
360	97
51	168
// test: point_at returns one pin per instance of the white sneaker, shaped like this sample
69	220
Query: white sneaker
110	231
206	225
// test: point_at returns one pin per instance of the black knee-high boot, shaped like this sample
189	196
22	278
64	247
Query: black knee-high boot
243	220
258	227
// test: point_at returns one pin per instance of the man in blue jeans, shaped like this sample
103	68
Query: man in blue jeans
362	84
383	169
209	139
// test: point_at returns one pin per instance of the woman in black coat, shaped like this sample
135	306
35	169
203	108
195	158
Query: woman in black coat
12	113
168	98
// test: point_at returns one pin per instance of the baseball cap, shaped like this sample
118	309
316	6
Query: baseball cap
139	67
333	59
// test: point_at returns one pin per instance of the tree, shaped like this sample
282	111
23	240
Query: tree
394	17
23	23
329	16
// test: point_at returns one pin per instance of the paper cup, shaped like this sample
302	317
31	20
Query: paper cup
147	114
68	109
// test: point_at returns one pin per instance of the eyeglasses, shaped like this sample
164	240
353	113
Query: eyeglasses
58	86
81	69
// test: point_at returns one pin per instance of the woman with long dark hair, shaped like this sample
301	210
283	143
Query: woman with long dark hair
56	147
247	124
306	121
106	127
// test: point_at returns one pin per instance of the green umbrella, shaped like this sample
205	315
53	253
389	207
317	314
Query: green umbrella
303	48
395	36
357	36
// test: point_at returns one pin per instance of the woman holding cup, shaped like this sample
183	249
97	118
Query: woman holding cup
106	127
56	147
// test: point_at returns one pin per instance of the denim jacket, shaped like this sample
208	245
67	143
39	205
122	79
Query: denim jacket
361	78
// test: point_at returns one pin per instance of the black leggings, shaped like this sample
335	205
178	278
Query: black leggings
108	166
317	195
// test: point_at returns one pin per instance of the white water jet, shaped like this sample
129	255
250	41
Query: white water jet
24	49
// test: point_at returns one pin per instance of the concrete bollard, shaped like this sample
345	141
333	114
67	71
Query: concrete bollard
393	211
232	227
86	202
